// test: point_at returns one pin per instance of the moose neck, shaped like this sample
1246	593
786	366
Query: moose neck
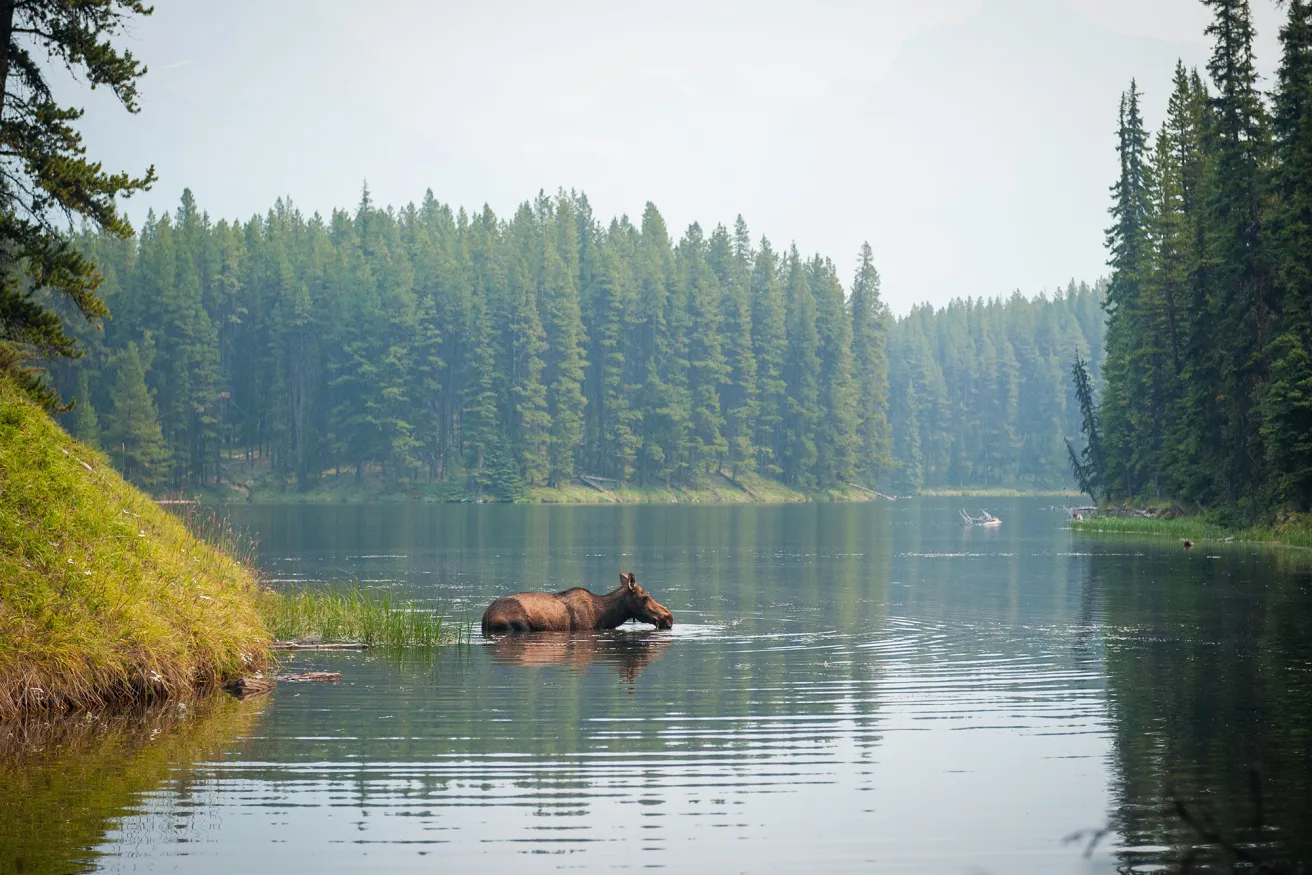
612	609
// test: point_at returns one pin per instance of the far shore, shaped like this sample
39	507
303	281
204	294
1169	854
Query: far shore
715	489
1291	530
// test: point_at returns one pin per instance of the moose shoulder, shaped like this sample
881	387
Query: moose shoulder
575	610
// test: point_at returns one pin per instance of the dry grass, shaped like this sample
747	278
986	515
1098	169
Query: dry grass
105	598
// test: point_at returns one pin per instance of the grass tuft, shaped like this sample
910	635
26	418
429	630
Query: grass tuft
105	597
357	616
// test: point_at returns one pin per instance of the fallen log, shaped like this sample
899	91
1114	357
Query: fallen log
312	645
313	677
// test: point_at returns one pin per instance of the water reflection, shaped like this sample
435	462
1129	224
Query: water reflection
628	652
1209	670
848	689
65	786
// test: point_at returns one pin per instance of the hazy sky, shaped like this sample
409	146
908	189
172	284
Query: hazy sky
970	141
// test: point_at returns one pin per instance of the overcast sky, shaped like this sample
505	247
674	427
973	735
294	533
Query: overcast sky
969	141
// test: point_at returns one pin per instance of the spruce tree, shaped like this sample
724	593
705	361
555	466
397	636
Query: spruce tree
802	372
869	327
132	431
1242	296
838	442
770	347
707	371
613	300
1129	246
1287	427
86	425
731	261
559	304
528	345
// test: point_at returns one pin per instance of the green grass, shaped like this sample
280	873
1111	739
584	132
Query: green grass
1290	530
357	616
105	597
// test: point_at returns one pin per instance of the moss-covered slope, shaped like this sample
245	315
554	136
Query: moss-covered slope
104	596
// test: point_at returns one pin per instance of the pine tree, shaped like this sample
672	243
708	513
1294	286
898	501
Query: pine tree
770	346
528	345
869	327
1088	465
559	303
1129	245
132	432
838	441
1287	428
802	418
731	261
659	370
86	425
707	371
47	179
479	413
1242	293
613	301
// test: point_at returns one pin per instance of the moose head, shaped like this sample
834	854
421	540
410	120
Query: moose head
641	606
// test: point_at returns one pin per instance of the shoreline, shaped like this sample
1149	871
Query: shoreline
715	489
1292	531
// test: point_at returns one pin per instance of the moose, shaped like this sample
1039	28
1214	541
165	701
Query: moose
575	610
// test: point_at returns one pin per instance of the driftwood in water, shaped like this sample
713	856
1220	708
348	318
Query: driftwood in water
312	645
244	688
313	677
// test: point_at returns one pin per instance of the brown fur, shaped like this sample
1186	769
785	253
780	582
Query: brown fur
575	610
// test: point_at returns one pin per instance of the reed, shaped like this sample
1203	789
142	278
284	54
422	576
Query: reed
359	616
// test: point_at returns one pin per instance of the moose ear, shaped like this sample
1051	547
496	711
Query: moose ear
629	580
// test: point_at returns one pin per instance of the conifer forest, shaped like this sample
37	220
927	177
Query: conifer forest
486	356
1208	374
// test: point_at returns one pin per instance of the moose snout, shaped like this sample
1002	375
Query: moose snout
664	620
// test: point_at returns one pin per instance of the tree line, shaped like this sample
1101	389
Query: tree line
979	395
425	344
1208	393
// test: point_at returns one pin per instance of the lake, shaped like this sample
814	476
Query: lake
847	688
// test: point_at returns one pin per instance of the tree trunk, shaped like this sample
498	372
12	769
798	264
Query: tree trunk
6	36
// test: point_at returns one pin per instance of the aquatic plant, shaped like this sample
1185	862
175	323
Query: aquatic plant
374	618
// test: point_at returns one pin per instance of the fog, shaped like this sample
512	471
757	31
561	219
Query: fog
970	141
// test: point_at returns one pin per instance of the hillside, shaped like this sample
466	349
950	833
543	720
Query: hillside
104	596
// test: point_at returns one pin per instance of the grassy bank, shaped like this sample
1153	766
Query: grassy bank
105	598
1291	530
357	616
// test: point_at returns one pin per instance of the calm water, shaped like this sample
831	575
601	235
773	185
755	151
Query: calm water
865	688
